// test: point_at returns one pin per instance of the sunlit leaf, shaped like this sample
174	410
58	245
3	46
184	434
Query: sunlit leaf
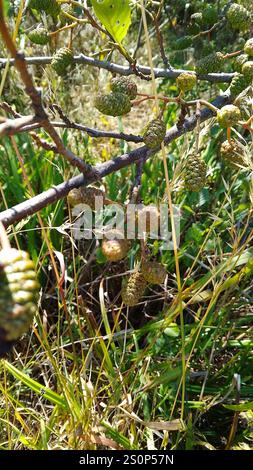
115	16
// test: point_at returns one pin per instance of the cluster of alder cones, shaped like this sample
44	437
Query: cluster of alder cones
115	247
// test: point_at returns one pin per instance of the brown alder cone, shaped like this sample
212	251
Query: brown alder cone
85	195
115	249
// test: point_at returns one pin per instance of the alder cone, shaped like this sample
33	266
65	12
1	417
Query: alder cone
124	85
239	61
238	17
210	64
195	173
62	60
228	116
117	248
182	43
154	133
85	196
18	293
248	47
209	15
247	70
48	6
113	104
39	36
186	81
238	84
133	289
232	153
153	272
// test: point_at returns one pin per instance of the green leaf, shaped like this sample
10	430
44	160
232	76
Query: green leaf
36	386
242	407
115	16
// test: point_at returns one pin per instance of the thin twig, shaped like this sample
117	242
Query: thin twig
35	96
56	193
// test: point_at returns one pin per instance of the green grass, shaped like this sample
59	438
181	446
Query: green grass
91	374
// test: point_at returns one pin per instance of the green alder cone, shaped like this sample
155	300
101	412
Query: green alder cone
62	60
113	104
228	116
239	61
19	292
39	36
124	85
238	85
195	173
248	47
209	15
247	70
153	272
40	5
238	17
133	289
154	133
210	64
182	43
186	81
232	153
50	7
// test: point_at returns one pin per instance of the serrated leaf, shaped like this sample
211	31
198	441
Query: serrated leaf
115	16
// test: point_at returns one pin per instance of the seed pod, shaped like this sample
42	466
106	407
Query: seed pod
210	64
209	15
18	293
232	153
247	70
248	47
186	81
85	196
133	289
114	247
153	272
195	173
113	104
124	85
239	61
154	133
238	17
228	116
51	7
62	60
39	36
238	85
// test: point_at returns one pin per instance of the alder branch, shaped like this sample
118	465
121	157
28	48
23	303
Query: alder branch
35	96
123	69
12	126
96	133
35	204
